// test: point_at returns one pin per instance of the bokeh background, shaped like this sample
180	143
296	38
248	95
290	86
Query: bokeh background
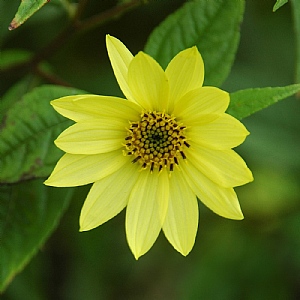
257	258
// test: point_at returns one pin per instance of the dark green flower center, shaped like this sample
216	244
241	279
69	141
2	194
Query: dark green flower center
156	141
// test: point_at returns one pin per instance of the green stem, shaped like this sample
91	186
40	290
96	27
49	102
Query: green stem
296	15
68	7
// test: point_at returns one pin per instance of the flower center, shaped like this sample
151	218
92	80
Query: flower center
156	141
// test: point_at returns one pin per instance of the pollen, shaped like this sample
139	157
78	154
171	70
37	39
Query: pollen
157	141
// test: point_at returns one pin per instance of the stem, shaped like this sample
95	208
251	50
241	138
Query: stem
74	27
108	15
80	9
67	6
54	45
51	78
77	26
296	11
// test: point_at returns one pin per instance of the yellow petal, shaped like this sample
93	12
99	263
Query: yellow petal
223	133
224	167
147	204
185	73
181	221
120	58
77	169
84	107
67	108
148	83
93	137
106	199
222	201
194	105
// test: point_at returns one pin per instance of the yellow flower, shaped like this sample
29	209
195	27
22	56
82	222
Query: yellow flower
169	142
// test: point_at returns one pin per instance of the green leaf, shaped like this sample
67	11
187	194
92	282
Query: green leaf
278	4
27	131
29	212
26	9
213	26
246	102
296	15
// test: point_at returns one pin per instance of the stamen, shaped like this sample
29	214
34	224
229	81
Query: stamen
136	159
156	141
176	160
152	167
183	155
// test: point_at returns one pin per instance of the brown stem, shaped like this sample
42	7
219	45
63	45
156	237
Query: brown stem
75	26
108	15
54	45
80	9
51	78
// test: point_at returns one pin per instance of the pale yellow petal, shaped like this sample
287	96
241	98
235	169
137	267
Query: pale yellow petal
224	167
147	204
148	83
222	201
108	197
77	169
84	107
223	133
181	222
201	105
185	73
92	137
67	108
120	58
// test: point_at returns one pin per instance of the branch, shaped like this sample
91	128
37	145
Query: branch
74	27
51	78
108	15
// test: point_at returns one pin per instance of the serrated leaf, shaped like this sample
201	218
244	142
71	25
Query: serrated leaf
246	102
29	212
27	131
278	4
26	9
213	26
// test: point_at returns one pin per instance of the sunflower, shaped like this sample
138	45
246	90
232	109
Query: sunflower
155	152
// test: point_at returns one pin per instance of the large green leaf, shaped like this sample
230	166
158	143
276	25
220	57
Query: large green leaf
27	131
29	212
279	3
213	26
26	9
246	102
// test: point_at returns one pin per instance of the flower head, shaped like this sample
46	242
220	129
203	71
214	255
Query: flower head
169	142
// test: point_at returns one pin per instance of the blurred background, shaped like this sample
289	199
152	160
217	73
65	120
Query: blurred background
257	258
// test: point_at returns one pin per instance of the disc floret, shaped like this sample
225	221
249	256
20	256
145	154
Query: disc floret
156	141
